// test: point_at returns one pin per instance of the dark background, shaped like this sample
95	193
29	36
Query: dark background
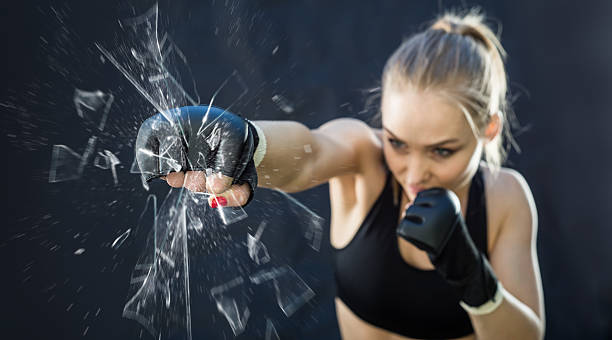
328	53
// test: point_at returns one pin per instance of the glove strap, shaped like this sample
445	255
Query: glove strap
261	149
489	306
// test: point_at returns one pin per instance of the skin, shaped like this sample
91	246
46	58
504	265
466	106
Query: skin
417	127
349	155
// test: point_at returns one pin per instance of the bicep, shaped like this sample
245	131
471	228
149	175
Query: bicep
514	255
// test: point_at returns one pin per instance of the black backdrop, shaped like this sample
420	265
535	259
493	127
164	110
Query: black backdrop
320	56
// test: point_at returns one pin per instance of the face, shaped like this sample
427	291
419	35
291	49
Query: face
428	141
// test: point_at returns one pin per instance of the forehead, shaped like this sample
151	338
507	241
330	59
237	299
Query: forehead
422	117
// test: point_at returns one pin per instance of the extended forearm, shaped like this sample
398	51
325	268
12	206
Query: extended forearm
290	152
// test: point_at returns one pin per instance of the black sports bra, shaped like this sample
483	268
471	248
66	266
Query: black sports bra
374	281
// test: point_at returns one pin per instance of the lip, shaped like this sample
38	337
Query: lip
414	189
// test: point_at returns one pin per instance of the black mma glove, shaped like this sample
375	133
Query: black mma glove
198	138
434	224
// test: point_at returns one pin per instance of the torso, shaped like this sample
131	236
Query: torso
352	197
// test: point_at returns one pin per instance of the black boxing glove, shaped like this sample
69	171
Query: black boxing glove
434	224
198	138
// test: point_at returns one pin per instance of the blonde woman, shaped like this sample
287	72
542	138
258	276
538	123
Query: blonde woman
432	238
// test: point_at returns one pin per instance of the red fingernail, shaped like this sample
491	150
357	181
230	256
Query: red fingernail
218	201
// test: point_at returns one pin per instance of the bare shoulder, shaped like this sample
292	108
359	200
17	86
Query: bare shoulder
513	187
511	203
359	140
352	131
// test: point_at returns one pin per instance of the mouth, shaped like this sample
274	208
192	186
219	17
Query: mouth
414	190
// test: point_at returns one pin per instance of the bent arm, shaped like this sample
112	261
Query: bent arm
514	259
298	158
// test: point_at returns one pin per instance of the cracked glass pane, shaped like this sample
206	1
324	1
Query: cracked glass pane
134	168
68	165
225	271
271	333
162	301
107	160
291	291
257	250
231	215
119	240
310	223
65	164
267	275
156	67
232	303
93	106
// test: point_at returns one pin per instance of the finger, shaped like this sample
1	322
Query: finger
195	181
218	183
175	179
236	196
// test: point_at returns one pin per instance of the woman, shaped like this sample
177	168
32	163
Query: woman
432	237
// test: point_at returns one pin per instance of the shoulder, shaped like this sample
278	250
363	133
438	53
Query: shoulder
350	130
357	137
510	185
510	196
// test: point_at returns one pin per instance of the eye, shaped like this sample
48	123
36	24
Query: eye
395	143
442	152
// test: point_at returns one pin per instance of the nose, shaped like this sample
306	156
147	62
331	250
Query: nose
418	171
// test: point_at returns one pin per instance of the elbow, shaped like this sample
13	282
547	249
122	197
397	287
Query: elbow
536	331
541	330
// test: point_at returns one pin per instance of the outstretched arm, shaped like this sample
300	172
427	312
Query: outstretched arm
298	158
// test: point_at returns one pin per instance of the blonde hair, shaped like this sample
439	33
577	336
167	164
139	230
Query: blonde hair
461	58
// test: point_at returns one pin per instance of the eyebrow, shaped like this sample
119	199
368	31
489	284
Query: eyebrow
450	140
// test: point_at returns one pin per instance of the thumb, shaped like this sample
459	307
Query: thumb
236	196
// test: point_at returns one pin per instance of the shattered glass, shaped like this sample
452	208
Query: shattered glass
157	68
93	106
238	258
232	303
271	333
161	302
283	103
291	291
119	240
68	165
257	249
108	160
310	223
65	164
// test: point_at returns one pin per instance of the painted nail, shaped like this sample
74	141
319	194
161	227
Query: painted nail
218	201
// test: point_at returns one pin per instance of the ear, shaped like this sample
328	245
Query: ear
494	127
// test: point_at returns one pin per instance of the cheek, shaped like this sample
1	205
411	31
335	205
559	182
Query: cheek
395	162
455	173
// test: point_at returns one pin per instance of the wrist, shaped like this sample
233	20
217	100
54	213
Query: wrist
481	287
261	145
488	307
